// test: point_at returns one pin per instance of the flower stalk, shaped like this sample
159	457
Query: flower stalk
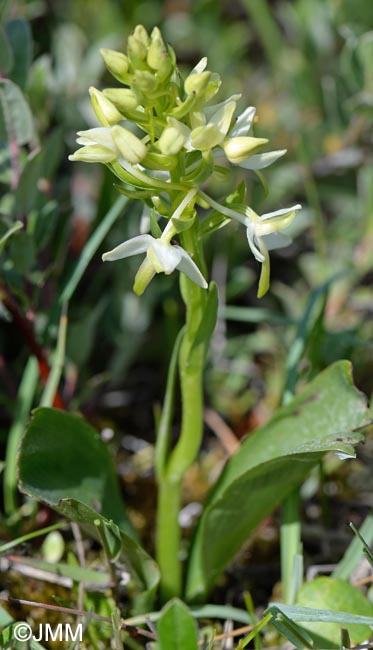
165	140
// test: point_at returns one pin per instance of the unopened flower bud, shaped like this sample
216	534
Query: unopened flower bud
197	82
173	137
93	153
157	52
106	112
123	98
116	62
145	81
129	145
239	148
136	49
142	35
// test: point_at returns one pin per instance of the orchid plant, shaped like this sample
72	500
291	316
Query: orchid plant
165	140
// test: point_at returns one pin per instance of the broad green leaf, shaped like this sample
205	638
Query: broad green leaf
15	116
340	596
176	628
269	464
6	56
19	36
64	463
61	457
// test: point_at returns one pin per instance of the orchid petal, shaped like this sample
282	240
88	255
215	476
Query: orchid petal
276	240
164	256
252	238
205	138
282	212
262	160
100	135
274	221
133	246
223	116
201	66
209	111
244	122
190	269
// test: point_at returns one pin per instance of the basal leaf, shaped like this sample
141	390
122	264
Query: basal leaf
269	464
176	628
62	456
340	596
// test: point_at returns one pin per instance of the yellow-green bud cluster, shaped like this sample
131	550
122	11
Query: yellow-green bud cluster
170	117
160	135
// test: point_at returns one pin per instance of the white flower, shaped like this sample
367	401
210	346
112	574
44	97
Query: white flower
262	232
258	229
161	257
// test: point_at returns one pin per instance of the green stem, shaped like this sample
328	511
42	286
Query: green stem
172	470
168	538
290	536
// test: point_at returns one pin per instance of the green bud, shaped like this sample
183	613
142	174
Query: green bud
142	35
123	98
136	49
94	153
116	62
145	81
157	52
106	112
197	82
241	147
173	137
129	145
